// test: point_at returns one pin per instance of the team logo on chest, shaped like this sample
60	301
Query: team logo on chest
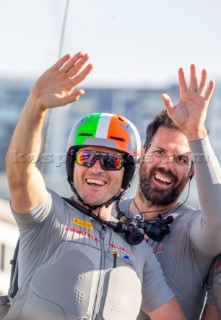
83	224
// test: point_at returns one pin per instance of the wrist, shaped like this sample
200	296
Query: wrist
196	134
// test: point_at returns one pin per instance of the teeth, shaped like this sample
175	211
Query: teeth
162	178
99	182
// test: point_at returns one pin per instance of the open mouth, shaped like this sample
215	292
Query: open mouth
162	179
95	182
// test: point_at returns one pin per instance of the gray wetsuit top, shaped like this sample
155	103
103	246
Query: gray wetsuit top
187	252
71	267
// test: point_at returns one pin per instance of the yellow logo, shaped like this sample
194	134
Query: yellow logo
115	252
84	224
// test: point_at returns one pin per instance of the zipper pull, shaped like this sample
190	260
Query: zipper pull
115	254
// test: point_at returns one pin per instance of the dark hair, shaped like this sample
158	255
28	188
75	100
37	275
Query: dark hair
160	120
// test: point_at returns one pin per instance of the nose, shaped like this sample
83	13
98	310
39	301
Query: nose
167	159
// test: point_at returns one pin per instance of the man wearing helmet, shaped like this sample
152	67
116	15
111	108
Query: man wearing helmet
71	262
102	131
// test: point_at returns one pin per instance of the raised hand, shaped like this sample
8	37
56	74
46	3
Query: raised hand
190	112
56	86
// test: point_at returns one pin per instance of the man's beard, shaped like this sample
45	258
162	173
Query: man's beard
159	196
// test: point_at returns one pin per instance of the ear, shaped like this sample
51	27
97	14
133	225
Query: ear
143	150
142	154
191	173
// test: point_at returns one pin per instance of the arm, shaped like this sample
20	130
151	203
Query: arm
53	89
158	300
171	310
213	302
210	313
190	116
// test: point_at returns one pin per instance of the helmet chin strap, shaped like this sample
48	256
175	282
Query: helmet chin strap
106	204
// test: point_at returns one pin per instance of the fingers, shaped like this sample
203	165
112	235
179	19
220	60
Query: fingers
167	104
71	65
209	91
182	81
57	86
72	61
202	90
77	67
61	62
77	94
74	68
202	87
193	78
76	80
74	96
82	75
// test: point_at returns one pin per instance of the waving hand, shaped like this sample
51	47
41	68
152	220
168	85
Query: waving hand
56	86
190	112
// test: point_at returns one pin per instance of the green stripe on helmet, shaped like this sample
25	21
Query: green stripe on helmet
84	129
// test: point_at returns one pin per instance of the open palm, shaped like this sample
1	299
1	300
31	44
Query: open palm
190	112
56	86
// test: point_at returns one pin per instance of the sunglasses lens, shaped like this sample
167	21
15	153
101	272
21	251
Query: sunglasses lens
108	161
112	162
83	158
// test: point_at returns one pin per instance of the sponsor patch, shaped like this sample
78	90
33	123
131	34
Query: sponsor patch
83	224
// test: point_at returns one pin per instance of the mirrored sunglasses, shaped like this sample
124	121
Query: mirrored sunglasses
108	161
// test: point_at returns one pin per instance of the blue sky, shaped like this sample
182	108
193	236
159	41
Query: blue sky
137	43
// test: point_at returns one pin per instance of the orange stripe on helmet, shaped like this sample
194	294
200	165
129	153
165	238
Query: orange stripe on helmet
117	131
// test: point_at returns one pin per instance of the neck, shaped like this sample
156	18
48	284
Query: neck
148	209
103	212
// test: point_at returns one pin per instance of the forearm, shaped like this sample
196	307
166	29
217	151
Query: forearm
27	188
169	311
210	313
208	179
25	144
205	230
